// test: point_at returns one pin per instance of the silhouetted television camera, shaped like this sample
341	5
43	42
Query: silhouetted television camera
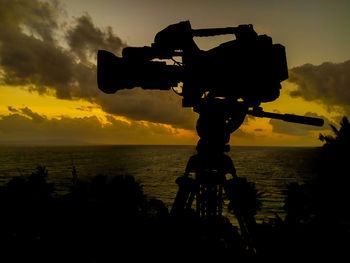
248	69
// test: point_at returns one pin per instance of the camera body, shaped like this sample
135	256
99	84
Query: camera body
249	68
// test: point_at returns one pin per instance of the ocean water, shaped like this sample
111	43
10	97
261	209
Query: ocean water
157	167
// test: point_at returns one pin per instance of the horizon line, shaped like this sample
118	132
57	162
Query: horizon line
167	145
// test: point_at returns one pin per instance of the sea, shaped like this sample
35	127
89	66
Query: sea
157	167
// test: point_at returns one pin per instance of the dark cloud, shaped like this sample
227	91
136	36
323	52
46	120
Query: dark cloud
28	54
23	126
32	54
38	19
328	83
11	109
279	126
85	39
33	115
156	106
87	108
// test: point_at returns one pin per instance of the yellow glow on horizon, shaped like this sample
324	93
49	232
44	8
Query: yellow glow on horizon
287	104
51	107
257	131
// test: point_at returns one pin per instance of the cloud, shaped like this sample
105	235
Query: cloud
30	54
156	106
279	126
23	126
87	108
328	83
33	53
85	39
32	115
11	109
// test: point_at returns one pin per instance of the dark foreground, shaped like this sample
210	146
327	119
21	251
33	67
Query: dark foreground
110	220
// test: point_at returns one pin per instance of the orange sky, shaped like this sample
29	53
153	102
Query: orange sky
47	109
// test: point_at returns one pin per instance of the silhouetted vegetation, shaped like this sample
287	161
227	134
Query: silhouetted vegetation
317	221
341	138
104	219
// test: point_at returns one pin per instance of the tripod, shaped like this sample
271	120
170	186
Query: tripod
210	166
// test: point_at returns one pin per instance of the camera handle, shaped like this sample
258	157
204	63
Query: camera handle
209	32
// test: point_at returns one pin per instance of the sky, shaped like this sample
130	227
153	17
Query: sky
48	87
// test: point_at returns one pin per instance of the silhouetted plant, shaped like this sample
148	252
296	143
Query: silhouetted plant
101	220
244	203
333	168
74	175
300	204
122	191
328	191
315	210
33	188
126	192
39	187
243	197
342	135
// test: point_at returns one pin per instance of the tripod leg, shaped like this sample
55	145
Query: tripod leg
184	196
